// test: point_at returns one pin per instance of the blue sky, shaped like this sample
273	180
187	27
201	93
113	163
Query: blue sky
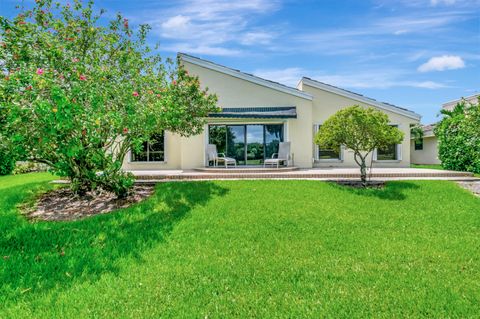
416	54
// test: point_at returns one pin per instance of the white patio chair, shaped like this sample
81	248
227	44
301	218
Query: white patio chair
213	155
283	155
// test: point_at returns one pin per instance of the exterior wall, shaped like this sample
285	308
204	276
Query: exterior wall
429	154
235	92
327	103
189	152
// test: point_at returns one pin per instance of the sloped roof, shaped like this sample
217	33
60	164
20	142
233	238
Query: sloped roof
450	105
245	76
361	98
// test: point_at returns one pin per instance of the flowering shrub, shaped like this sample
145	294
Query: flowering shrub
77	95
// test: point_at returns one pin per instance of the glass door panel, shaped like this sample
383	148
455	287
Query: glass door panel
255	145
273	137
236	143
249	144
217	135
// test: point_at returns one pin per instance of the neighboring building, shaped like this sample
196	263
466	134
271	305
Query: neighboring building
425	150
257	114
473	99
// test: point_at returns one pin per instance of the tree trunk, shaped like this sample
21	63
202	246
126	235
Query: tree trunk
363	172
363	167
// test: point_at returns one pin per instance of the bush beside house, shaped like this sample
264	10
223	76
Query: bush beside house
458	134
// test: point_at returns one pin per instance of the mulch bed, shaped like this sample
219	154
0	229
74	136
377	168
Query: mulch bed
358	183
62	205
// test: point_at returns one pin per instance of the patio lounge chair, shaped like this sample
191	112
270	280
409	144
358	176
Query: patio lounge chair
213	155
283	155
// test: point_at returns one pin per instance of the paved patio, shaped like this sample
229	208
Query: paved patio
314	173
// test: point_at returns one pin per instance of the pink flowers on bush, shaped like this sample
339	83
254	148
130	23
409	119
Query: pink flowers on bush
174	82
39	71
125	130
83	78
135	93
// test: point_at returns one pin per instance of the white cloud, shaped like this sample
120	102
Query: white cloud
212	26
202	49
176	22
288	76
373	79
428	85
256	37
442	63
446	2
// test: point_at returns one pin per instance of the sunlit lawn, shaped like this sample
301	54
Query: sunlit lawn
266	249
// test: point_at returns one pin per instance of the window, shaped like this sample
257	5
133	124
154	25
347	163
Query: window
326	153
389	153
419	144
151	151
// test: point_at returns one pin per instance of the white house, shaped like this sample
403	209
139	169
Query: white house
257	114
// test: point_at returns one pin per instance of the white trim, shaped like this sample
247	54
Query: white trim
316	149
359	98
245	76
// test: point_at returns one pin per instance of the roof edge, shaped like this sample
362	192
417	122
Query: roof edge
476	95
360	98
245	76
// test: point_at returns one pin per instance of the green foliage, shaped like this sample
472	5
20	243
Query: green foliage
243	249
360	129
78	95
458	135
416	132
7	161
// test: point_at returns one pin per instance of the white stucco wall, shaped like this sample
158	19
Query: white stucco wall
429	154
232	91
235	92
325	104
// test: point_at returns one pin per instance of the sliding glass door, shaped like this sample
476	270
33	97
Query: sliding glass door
249	144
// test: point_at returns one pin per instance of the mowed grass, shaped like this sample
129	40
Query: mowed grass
240	249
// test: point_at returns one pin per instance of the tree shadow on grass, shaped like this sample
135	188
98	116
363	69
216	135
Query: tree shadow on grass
393	191
46	255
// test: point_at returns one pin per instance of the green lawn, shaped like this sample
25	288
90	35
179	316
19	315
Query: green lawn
430	166
266	249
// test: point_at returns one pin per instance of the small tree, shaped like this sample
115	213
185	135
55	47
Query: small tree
78	94
360	129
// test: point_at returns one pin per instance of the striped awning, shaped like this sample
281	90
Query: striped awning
276	112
